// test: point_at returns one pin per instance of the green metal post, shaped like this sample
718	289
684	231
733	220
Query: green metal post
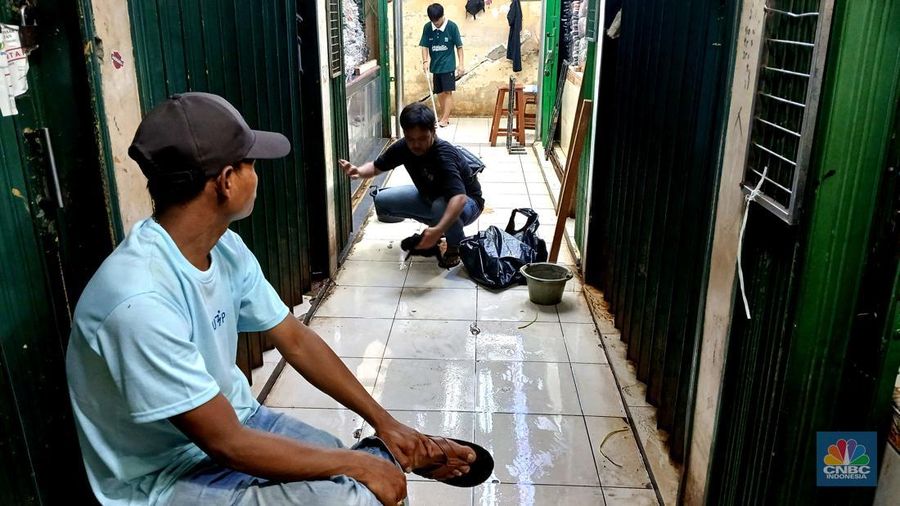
384	58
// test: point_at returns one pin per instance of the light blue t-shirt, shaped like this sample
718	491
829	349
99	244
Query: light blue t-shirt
153	337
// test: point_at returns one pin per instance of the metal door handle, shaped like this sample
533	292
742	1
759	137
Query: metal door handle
52	159
547	62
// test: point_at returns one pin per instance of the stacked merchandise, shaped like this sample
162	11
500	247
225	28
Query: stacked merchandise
565	29
356	50
574	27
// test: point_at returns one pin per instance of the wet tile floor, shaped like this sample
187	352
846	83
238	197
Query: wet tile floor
530	383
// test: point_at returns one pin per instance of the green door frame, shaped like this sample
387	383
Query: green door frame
581	197
888	345
343	211
550	66
92	60
384	60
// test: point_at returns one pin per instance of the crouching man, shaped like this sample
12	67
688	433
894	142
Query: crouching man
445	195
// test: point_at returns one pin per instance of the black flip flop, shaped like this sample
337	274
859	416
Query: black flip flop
479	471
409	245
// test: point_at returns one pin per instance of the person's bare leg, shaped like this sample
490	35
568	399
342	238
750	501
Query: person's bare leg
446	107
442	104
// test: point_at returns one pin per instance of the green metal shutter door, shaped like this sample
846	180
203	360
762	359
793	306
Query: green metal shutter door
245	51
656	170
48	253
38	443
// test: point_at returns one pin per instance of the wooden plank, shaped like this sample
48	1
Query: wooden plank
495	124
573	160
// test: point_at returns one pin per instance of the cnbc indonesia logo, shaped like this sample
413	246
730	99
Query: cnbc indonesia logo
846	461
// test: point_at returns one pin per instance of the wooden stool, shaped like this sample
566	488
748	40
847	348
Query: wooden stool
530	117
500	109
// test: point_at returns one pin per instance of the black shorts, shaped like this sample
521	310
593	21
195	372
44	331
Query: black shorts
444	82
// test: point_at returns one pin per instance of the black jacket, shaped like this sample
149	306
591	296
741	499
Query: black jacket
514	44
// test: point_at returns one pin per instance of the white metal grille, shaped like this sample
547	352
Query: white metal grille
795	38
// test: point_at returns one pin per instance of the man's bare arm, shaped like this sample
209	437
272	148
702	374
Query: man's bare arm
364	171
431	235
306	352
455	207
214	428
426	59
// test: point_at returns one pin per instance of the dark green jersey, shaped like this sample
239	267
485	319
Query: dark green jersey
441	46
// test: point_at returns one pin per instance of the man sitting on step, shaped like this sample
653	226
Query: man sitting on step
164	416
445	194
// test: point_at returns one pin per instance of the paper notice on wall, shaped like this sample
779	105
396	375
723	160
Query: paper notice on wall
7	103
13	69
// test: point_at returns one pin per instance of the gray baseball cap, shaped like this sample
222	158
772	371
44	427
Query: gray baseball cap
195	135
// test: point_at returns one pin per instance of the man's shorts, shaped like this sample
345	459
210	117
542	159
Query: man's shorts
444	82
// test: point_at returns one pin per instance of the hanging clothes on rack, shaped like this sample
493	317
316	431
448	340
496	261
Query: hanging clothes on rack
514	44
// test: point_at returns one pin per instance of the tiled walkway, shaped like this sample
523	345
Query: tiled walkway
530	383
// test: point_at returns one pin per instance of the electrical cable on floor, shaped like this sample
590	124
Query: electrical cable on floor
750	198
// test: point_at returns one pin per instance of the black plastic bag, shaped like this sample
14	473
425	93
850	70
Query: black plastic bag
493	257
528	234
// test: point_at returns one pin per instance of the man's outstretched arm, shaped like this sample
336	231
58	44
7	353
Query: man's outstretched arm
306	352
214	427
364	171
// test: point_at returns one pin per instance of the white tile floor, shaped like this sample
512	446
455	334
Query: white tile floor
530	383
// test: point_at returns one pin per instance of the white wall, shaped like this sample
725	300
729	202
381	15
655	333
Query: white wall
122	105
720	291
477	93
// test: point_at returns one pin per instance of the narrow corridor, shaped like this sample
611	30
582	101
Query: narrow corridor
530	383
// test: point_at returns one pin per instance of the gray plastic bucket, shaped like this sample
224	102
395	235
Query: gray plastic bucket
546	282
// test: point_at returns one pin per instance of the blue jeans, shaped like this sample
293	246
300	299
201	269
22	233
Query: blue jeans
213	484
406	202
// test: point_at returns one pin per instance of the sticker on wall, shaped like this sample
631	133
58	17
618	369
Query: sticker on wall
13	69
117	60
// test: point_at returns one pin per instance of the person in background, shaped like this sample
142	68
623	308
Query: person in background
439	37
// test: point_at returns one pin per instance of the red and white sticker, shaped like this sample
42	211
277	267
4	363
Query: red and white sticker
117	60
